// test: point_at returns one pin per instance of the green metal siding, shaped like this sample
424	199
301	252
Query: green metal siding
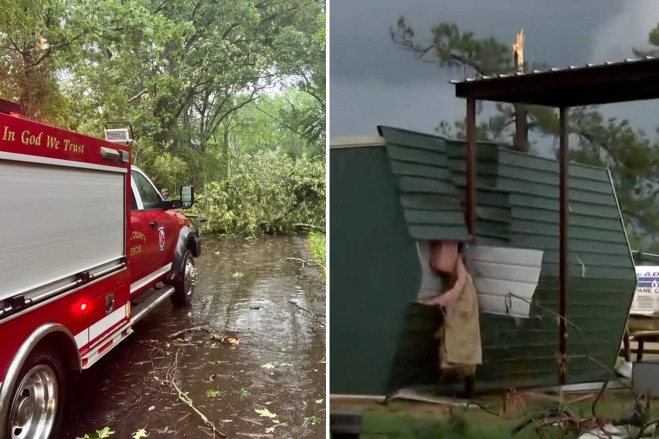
428	196
373	271
517	205
493	209
601	284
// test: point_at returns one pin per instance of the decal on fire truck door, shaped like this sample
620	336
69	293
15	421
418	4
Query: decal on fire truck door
161	238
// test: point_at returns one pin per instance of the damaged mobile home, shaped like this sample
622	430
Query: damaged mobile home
544	242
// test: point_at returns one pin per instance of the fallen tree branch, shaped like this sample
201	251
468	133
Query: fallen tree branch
233	341
309	262
309	226
205	328
186	399
171	377
312	314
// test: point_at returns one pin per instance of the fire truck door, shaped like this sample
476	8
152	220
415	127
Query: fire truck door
163	230
163	224
168	223
140	244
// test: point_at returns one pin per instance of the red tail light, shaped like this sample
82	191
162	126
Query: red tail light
81	307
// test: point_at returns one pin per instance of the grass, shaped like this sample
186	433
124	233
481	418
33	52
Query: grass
417	420
317	246
401	426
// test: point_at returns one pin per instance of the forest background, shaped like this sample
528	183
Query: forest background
227	96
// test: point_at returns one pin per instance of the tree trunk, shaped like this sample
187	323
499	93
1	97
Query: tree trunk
225	154
521	139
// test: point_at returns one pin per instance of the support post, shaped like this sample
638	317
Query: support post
563	253
470	159
470	199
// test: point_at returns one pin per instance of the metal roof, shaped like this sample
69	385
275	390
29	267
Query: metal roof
356	142
628	80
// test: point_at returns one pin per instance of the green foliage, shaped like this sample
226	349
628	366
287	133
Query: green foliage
271	123
631	156
195	78
305	59
317	245
33	46
265	193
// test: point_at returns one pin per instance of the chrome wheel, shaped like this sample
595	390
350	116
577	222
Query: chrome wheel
34	406
189	277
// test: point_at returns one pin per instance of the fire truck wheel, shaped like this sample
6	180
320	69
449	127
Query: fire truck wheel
37	401
185	283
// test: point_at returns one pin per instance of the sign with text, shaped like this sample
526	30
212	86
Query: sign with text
646	297
25	137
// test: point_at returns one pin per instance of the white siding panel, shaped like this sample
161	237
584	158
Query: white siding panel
56	221
505	278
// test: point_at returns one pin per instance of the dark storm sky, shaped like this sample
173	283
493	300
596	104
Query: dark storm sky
373	82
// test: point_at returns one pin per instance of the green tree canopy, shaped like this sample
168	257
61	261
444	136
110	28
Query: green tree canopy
197	79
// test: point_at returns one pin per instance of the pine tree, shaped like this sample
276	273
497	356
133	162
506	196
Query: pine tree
629	153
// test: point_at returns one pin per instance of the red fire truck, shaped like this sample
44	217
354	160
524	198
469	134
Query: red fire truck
88	247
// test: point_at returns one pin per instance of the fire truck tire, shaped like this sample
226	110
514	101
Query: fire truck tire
41	385
185	282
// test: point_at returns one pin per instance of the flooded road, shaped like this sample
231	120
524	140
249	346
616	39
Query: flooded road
249	354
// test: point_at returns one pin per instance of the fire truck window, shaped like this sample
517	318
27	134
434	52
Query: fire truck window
133	202
150	196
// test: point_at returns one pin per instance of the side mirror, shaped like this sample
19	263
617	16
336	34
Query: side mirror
187	196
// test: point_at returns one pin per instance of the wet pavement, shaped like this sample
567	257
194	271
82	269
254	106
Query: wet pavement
254	365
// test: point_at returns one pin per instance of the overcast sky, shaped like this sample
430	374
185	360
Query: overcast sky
373	82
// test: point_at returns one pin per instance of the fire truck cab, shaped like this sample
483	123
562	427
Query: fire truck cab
88	248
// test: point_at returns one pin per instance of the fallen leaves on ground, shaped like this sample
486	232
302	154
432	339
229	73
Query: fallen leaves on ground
265	413
233	341
274	364
105	432
141	433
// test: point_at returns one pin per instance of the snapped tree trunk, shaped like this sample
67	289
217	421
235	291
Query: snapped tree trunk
521	139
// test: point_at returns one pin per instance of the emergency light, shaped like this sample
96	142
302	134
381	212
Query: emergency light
118	135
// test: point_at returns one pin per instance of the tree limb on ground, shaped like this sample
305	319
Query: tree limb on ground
186	399
312	314
309	226
304	262
204	328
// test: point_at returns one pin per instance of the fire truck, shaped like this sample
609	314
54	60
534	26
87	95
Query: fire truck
88	248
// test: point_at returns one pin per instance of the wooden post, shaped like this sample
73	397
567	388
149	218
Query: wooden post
563	246
470	198
470	159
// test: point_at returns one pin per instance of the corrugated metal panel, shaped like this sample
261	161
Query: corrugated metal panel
506	278
517	205
601	281
375	271
416	185
427	192
493	209
493	216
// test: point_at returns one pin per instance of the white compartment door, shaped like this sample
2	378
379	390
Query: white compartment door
57	221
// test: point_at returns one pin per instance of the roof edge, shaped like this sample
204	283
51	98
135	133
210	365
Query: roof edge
356	142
